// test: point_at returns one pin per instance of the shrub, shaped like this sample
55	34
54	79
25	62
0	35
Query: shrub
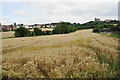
111	27
48	32
98	28
95	29
5	30
43	32
37	31
62	28
29	28
21	32
31	33
115	28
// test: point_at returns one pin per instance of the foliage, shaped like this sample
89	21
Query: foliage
21	32
5	30
98	28
48	32
29	28
110	27
37	31
63	28
31	33
116	35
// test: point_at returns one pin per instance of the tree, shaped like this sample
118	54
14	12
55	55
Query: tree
37	31
48	32
41	26
21	32
31	33
61	28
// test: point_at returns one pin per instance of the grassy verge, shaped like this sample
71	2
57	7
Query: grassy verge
115	35
111	35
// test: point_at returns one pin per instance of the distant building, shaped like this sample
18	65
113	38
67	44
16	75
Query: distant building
53	26
97	19
26	26
30	26
108	20
8	28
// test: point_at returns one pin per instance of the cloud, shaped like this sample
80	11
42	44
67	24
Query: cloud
20	12
59	0
77	11
47	12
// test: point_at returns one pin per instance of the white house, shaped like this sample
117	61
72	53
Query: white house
26	26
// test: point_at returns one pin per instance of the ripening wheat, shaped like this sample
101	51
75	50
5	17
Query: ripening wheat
75	55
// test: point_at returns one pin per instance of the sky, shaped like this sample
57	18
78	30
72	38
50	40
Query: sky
48	11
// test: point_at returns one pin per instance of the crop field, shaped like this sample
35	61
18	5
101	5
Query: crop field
81	54
7	34
44	29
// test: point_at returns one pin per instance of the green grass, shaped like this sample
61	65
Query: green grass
111	35
115	35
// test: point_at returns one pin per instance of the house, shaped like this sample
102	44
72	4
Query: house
30	27
26	26
8	28
108	20
51	26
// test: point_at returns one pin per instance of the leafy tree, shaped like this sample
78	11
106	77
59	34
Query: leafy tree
41	26
31	33
61	28
98	28
37	31
48	32
21	32
64	27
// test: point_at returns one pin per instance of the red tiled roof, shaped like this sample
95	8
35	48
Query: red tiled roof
8	26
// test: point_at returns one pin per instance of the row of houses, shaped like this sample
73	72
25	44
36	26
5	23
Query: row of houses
106	20
12	27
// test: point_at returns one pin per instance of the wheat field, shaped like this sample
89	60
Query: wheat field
7	34
81	54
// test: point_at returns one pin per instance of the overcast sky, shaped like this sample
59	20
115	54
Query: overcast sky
39	11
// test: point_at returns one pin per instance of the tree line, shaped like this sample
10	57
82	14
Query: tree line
61	28
108	27
65	27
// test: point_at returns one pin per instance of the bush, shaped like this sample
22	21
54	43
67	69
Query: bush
21	32
43	32
29	28
5	30
48	32
98	28
115	28
95	30
37	32
62	28
31	33
111	27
